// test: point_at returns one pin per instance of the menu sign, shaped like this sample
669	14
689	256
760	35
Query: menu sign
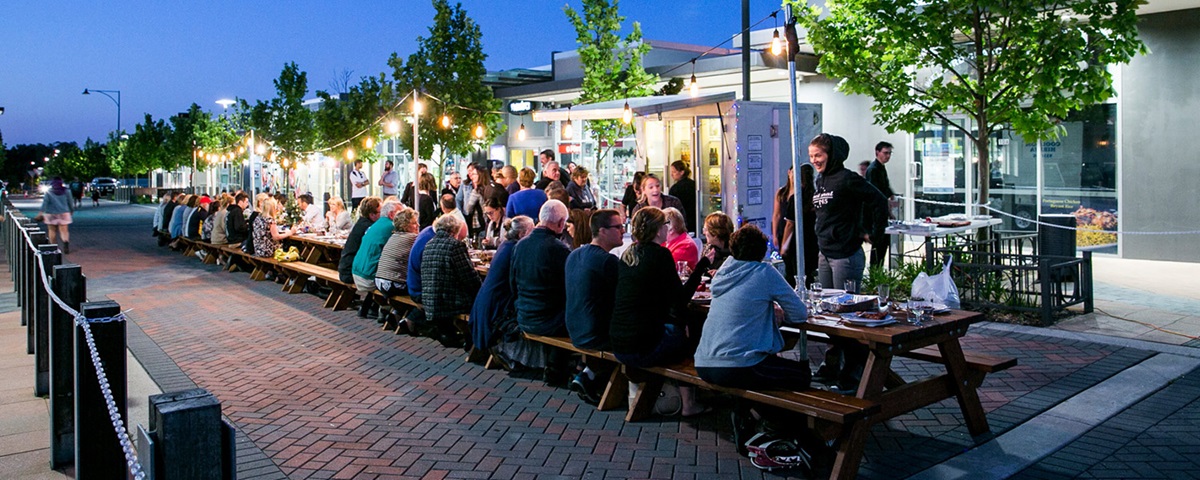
938	174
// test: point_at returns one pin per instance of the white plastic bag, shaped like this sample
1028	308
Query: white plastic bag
938	288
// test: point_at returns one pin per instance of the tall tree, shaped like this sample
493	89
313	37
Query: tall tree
612	66
73	162
448	64
146	149
284	121
1020	64
347	121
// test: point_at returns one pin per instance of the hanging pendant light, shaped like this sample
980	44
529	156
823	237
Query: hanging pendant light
369	143
627	114
776	42
694	86
350	154
479	131
393	127
521	132
445	121
568	130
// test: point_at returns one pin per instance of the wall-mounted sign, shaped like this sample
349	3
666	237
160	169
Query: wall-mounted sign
520	107
573	148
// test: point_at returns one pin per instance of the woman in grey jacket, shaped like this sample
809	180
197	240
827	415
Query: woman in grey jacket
56	211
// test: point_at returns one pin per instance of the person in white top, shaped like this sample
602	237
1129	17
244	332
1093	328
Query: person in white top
358	185
312	213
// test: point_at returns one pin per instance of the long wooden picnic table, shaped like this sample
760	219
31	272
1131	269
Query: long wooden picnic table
882	385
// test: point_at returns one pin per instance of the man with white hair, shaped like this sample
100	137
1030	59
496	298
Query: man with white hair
553	173
449	281
538	280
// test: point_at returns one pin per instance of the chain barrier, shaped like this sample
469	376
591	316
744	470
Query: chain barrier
1030	220
84	323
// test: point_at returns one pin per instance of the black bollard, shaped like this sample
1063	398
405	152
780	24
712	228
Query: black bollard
49	256
98	454
69	285
188	435
29	285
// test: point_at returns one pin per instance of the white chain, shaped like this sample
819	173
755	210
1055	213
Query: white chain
1030	220
131	460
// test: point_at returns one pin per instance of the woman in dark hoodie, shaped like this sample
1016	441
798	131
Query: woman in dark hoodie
848	211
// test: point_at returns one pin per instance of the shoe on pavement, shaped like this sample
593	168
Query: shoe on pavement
586	388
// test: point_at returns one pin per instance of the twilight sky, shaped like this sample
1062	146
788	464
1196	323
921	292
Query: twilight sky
165	55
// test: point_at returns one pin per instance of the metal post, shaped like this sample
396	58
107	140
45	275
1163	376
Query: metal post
69	285
746	50
797	187
30	286
97	452
49	256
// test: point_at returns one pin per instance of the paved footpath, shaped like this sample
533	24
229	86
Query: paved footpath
319	394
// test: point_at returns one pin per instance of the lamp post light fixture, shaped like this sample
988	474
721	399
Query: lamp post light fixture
225	103
1	110
116	100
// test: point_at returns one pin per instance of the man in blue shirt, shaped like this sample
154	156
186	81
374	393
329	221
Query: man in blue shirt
591	283
388	181
416	316
537	278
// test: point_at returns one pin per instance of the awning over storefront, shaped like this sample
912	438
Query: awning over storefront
641	106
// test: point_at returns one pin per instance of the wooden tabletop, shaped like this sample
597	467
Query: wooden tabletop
956	321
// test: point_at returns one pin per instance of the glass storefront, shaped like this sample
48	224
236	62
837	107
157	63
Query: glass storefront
1078	175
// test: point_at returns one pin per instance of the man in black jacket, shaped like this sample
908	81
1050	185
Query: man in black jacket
236	228
684	188
538	281
877	176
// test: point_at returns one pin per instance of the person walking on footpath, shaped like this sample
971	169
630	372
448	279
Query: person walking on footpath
56	213
877	176
358	185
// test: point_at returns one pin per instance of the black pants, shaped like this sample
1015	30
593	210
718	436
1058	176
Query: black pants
879	249
774	373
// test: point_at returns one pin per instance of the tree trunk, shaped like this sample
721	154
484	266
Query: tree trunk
984	171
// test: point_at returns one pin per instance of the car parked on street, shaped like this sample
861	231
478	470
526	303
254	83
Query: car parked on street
105	185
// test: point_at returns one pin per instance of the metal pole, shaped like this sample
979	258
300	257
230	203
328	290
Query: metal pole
416	182
746	50
798	231
49	256
69	286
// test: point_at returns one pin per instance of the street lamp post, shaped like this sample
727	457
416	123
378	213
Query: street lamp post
116	100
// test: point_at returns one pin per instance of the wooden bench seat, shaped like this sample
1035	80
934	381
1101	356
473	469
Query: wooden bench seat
617	389
975	361
298	273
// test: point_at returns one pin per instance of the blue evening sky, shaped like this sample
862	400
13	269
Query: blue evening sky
165	55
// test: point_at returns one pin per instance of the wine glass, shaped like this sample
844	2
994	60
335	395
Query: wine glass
884	291
814	297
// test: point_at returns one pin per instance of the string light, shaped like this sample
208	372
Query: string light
479	130
262	149
445	121
416	105
393	126
694	86
369	143
568	130
350	154
626	115
776	43
521	132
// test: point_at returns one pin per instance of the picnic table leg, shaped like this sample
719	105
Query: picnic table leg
616	392
647	395
875	374
295	282
964	391
849	454
311	254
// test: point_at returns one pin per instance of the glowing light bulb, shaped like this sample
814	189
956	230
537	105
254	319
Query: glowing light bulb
627	115
369	143
568	130
261	149
393	127
694	86
776	44
521	132
416	107
479	131
349	154
445	121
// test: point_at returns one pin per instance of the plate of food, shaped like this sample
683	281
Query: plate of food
702	297
848	303
868	319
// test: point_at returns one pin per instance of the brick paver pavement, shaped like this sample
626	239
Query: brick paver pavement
328	395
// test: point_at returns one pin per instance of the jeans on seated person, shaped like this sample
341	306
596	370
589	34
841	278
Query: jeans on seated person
672	348
773	373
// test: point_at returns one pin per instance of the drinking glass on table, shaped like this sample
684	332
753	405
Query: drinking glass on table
814	298
884	291
850	284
